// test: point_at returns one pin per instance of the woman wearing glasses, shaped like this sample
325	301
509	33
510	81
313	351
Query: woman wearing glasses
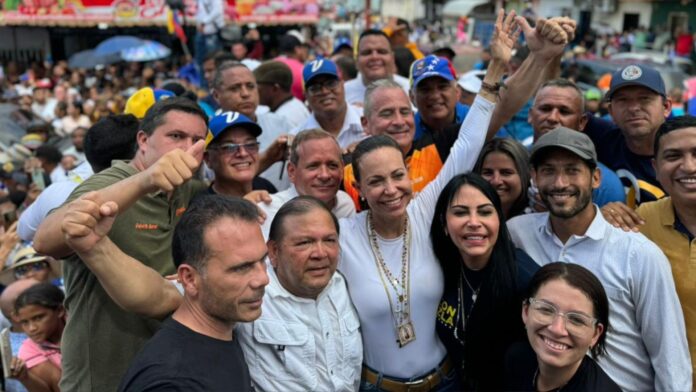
232	153
27	264
566	315
485	280
392	274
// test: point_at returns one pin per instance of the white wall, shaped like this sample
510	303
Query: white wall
550	8
406	9
615	20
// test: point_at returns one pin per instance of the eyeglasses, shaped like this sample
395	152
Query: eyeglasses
315	88
234	148
33	267
577	324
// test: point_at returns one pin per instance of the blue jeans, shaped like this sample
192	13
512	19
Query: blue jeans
204	44
448	382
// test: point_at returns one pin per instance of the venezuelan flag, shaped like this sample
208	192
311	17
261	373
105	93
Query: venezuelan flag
174	25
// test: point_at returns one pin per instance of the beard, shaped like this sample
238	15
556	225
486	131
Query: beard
582	199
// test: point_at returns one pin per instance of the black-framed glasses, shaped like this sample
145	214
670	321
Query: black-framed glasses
234	148
545	313
22	270
316	87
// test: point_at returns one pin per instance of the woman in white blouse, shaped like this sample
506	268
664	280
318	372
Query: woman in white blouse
393	276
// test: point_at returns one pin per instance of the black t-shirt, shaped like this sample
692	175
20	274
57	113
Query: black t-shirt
490	327
179	359
635	171
521	366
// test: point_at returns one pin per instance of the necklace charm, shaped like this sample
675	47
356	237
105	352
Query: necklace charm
474	296
406	333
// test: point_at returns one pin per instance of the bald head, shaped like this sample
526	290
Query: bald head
10	294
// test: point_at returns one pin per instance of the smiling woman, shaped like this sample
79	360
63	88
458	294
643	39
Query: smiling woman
485	280
566	314
393	277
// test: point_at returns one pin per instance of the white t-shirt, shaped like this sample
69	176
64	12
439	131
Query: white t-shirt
355	88
273	125
351	130
358	265
294	111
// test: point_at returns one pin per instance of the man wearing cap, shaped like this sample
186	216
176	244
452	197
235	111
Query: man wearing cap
293	55
469	86
638	105
315	168
152	191
232	153
559	102
274	81
235	89
642	354
342	47
436	95
327	100
375	61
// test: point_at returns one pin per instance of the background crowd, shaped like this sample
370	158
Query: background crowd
518	226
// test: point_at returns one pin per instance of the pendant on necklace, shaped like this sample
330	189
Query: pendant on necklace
405	333
474	296
401	298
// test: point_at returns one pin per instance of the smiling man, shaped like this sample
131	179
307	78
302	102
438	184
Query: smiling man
327	100
232	153
638	104
671	221
642	353
375	61
315	169
308	336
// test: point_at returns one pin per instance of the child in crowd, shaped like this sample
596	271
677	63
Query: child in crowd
40	312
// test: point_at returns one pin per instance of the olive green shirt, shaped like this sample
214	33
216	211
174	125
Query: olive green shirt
101	339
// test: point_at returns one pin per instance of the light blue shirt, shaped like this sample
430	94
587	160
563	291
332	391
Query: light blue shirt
646	344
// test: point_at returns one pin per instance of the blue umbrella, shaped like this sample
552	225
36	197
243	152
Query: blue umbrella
117	44
147	51
88	59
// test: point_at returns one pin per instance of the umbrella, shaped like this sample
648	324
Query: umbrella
147	51
117	44
89	59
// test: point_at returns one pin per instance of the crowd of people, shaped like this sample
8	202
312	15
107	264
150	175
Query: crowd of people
330	224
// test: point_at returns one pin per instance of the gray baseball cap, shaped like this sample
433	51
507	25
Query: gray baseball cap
574	141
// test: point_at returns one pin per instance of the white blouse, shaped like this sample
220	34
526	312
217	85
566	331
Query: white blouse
380	347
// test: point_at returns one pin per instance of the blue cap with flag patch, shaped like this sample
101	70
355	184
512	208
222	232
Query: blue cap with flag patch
318	67
431	66
226	120
142	100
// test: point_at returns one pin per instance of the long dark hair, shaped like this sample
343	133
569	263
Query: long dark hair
494	321
501	265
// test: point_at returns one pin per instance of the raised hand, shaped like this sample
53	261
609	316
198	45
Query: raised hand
548	38
504	36
174	168
87	221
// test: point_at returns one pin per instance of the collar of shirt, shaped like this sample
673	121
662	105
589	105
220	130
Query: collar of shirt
595	232
351	122
669	217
